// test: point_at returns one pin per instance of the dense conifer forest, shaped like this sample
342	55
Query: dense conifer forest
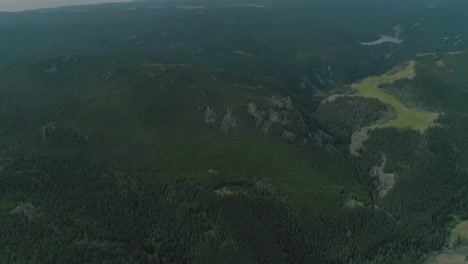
201	132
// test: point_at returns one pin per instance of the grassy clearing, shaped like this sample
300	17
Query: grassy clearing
405	117
449	258
351	203
458	251
460	231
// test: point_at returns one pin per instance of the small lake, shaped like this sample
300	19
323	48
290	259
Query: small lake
383	39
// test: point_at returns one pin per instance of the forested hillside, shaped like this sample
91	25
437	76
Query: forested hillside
201	132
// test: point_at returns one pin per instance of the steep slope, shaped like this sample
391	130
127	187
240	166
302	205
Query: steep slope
202	135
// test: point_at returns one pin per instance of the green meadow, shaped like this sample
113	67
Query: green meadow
404	116
196	131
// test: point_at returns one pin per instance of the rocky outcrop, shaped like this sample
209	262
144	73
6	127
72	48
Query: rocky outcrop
275	116
226	123
229	121
209	115
386	181
53	133
252	111
274	113
47	132
357	140
109	74
321	138
25	209
280	102
290	136
58	63
318	79
279	117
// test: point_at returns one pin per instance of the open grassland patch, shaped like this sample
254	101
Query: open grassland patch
405	116
450	258
333	97
460	231
440	63
225	191
351	203
458	250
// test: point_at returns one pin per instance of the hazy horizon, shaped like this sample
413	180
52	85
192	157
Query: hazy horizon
22	5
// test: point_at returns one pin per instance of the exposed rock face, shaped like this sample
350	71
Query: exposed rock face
252	110
213	172
318	79
229	121
321	138
25	209
304	82
290	136
266	118
386	181
276	116
58	63
279	117
47	132
53	133
357	140
280	102
109	74
209	116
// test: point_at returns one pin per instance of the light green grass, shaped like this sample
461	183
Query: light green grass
456	254
351	203
405	117
461	230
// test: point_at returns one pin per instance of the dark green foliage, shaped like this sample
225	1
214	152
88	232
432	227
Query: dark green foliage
346	114
431	182
106	155
435	87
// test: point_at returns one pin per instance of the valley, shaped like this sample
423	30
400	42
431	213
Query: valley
404	116
241	132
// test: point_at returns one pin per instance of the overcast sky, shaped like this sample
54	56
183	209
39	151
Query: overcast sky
19	5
